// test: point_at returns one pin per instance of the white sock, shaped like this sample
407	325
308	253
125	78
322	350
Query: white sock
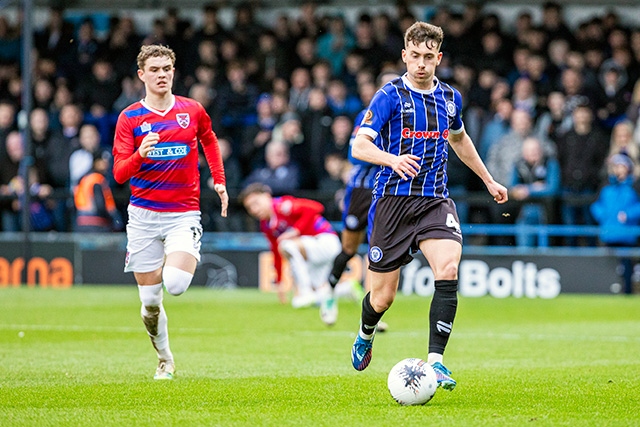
365	336
298	268
433	358
343	289
155	319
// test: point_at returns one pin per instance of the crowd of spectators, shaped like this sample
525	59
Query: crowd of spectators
283	96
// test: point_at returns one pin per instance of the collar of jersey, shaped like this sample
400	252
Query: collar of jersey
415	89
158	112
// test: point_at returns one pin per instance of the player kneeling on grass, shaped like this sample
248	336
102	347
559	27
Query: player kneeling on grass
297	231
156	149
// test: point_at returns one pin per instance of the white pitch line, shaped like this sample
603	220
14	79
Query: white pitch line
505	336
78	328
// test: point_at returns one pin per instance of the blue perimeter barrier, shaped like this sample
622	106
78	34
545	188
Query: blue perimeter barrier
256	241
240	241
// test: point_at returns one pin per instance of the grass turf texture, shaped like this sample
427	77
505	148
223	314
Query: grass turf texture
80	357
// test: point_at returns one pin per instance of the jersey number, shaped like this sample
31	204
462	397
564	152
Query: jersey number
452	223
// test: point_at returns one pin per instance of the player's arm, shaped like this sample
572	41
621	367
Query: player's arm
277	265
406	165
304	213
466	151
209	142
126	159
363	148
277	258
354	132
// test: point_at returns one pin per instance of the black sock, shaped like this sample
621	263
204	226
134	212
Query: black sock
442	314
339	264
370	317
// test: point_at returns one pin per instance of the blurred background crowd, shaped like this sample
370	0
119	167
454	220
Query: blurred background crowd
547	104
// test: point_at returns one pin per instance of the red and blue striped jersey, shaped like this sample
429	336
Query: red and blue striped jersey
168	179
304	215
402	119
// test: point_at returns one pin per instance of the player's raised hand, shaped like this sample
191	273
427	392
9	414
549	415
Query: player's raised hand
148	143
406	166
224	198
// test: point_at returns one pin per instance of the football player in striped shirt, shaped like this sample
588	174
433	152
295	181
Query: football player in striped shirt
156	150
407	129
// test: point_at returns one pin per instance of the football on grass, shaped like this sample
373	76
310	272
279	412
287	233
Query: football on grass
412	382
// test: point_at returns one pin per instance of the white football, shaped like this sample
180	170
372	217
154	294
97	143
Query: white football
412	382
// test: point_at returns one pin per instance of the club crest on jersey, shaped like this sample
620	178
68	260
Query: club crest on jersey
407	107
375	254
451	108
145	127
368	118
285	207
183	120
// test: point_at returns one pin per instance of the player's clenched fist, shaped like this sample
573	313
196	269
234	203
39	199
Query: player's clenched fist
148	143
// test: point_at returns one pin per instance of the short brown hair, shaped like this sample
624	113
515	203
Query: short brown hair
155	51
422	32
255	188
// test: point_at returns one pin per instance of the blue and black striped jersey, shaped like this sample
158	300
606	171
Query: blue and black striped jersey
404	120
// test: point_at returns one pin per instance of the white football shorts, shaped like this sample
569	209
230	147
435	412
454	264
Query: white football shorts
153	235
321	250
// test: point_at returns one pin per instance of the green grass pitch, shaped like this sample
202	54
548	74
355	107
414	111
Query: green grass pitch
80	357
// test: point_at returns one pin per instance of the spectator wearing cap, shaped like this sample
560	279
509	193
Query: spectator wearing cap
613	95
622	142
618	208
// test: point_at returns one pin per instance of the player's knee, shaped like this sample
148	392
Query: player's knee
448	272
381	300
176	281
287	248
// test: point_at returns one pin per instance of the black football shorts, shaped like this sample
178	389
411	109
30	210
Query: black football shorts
400	223
358	201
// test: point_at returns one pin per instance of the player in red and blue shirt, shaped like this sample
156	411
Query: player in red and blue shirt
167	179
296	230
408	128
156	149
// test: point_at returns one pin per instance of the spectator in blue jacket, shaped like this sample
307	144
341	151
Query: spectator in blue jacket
617	208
